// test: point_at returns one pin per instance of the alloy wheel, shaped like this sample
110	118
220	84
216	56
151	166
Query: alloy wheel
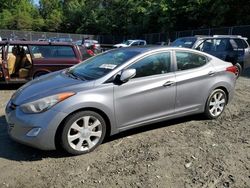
217	103
84	133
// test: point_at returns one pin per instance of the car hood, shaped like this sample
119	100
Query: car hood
47	85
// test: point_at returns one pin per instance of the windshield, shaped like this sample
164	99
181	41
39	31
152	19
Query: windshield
102	64
128	42
184	42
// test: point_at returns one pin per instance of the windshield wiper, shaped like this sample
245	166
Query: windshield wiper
73	75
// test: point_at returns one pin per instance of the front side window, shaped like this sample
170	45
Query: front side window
128	42
43	51
187	60
152	65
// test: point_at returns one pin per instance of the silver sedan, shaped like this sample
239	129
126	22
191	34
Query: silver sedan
115	91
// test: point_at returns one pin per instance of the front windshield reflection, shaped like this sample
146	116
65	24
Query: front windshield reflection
102	64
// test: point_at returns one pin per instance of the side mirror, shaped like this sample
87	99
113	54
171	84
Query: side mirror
127	74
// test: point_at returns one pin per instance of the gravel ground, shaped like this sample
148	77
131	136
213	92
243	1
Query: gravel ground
188	152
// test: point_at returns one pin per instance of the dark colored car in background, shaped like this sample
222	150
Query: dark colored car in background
230	48
21	61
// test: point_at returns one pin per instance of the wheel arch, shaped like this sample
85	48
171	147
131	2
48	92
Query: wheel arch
222	87
100	112
40	71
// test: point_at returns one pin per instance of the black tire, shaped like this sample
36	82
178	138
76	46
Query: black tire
210	99
238	69
67	146
38	74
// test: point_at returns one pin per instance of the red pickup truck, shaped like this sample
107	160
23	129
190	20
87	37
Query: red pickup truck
21	61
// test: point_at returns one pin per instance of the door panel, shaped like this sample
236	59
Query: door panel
193	84
144	99
193	88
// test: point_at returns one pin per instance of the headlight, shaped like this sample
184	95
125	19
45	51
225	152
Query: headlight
44	104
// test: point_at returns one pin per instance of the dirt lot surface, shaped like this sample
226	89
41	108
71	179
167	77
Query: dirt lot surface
188	152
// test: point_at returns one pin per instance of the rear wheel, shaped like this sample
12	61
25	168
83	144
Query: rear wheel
238	70
216	104
83	132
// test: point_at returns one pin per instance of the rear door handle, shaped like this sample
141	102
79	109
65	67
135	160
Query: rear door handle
211	73
169	83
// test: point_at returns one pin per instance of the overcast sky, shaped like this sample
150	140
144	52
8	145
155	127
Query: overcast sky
36	2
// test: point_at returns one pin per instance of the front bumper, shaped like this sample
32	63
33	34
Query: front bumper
19	124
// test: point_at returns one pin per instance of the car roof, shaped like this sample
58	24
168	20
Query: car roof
135	40
36	43
214	36
147	48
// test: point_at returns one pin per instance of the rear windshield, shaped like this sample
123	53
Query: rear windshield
43	51
184	42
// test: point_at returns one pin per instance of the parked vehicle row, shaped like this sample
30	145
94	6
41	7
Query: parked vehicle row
115	91
21	61
90	44
130	43
230	48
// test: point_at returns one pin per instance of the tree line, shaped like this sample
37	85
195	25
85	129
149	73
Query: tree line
121	17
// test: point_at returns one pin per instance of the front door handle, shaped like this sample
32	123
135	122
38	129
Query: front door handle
168	83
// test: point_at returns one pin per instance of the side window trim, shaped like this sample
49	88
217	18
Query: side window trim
148	55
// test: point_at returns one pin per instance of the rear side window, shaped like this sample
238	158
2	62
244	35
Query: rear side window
241	43
84	52
42	51
188	60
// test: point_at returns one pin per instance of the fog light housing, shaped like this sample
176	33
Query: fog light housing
33	132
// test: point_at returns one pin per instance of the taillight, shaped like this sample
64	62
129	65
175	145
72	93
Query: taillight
232	69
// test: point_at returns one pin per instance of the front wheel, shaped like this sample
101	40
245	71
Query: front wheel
83	132
216	104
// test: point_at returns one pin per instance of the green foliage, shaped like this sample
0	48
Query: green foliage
20	15
121	17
